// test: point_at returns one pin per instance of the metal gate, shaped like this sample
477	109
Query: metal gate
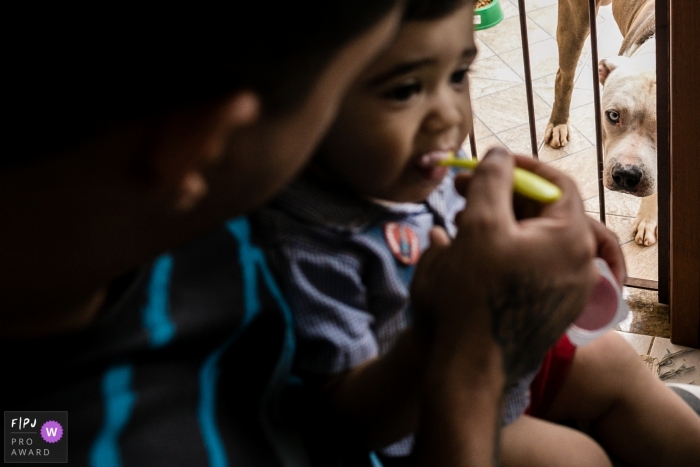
663	136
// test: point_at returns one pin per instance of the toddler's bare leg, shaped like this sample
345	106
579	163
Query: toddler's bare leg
531	442
634	415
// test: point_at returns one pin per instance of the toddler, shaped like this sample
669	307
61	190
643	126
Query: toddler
344	240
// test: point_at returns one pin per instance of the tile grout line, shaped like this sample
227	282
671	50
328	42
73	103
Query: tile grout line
651	344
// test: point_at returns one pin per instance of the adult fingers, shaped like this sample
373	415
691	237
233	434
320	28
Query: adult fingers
462	181
567	213
490	190
570	195
608	248
439	241
438	237
524	207
428	270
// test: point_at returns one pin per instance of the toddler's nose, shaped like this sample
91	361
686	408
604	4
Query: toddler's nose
445	113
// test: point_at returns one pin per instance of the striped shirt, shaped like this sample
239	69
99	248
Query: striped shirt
184	368
348	291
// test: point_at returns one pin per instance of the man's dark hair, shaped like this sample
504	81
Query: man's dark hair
426	10
70	71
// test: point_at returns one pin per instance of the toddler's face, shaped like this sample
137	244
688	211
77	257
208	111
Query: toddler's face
271	151
405	112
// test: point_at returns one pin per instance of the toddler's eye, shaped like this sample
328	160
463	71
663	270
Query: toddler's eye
403	92
459	76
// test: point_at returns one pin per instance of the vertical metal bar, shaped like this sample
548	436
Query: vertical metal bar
663	125
472	138
472	142
592	13
528	78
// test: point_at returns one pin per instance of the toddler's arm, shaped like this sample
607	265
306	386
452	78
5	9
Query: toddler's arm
380	397
348	310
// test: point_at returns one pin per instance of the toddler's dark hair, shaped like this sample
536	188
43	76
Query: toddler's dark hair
71	70
426	10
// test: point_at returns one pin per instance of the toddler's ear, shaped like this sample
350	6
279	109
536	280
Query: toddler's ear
189	141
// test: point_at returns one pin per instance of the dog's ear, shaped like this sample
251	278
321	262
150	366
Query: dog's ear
608	65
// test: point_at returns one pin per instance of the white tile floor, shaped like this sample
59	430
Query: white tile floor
658	347
500	118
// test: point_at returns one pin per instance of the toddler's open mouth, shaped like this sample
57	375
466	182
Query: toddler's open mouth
431	159
429	167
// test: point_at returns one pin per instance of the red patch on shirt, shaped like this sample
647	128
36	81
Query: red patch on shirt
403	242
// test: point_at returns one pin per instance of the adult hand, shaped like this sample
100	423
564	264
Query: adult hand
521	281
609	249
607	243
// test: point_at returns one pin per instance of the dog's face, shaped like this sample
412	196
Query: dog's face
629	126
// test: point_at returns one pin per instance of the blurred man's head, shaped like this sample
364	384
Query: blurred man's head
133	132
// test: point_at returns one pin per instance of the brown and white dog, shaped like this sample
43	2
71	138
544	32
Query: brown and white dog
628	101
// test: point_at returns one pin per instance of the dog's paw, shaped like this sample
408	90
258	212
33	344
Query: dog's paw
557	136
645	230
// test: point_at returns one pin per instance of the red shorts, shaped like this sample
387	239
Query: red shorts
549	379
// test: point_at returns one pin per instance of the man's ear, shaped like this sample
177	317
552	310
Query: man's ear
607	65
243	108
190	140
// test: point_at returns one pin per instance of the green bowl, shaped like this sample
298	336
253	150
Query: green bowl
488	16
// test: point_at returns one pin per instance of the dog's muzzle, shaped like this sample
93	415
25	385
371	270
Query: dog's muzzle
626	178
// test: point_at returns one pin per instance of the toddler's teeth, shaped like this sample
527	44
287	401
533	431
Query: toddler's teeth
432	158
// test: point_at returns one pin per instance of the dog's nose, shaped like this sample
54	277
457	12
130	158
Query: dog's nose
627	177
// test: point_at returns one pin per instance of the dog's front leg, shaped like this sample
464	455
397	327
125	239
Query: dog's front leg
645	226
572	30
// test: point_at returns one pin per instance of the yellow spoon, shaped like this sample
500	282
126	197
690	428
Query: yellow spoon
526	183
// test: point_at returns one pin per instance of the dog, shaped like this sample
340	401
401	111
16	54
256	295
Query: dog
628	101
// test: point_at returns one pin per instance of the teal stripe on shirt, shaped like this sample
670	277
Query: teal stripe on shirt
208	375
252	263
119	401
156	313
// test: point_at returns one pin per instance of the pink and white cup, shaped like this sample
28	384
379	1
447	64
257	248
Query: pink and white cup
605	309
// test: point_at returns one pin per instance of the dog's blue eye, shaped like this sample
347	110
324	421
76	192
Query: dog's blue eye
613	116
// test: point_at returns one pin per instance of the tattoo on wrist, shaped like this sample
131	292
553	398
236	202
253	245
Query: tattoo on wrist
527	319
